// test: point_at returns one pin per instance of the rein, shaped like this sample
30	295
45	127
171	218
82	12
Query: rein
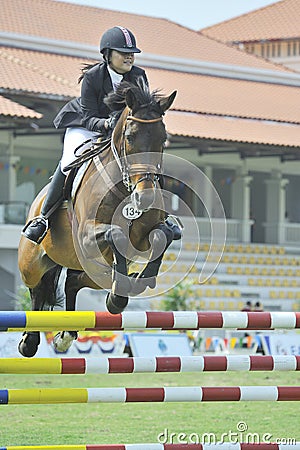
126	169
95	150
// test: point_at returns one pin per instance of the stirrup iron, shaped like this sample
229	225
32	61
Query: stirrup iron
45	222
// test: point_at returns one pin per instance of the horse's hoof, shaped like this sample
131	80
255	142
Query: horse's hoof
116	304
28	346
62	341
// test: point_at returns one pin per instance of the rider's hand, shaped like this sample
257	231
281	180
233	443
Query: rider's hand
109	123
105	126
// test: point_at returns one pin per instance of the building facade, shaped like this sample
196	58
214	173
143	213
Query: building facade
235	118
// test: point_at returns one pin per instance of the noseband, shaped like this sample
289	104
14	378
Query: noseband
126	169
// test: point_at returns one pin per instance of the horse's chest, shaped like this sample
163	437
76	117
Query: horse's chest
139	235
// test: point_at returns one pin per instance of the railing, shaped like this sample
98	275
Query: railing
286	233
13	212
292	233
283	233
236	230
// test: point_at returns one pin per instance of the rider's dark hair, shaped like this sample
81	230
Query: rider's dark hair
86	67
106	55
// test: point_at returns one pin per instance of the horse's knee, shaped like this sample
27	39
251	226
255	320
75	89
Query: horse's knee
93	239
160	238
116	239
90	245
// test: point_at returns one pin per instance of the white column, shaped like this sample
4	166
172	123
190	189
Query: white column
275	208
240	204
8	178
208	194
203	192
8	181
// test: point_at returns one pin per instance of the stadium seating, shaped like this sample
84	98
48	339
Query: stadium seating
260	273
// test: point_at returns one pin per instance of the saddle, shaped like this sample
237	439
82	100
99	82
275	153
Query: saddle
78	167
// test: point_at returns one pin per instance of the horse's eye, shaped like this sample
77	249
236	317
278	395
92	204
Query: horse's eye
164	141
130	139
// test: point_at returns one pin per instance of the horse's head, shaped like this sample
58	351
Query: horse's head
138	139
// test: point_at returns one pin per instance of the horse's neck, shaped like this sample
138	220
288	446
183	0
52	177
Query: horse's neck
105	171
118	132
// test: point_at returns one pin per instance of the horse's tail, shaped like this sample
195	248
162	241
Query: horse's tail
51	287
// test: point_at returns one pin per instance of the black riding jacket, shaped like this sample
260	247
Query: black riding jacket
89	110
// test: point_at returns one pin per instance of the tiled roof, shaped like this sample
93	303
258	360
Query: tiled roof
8	108
226	108
230	97
232	129
77	23
37	72
276	21
42	73
217	101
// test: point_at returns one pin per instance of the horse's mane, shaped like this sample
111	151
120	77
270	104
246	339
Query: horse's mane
116	101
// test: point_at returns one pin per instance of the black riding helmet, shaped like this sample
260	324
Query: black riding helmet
120	39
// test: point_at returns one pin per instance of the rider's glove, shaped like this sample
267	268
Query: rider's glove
106	125
110	124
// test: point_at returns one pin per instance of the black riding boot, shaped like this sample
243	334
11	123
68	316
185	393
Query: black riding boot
37	228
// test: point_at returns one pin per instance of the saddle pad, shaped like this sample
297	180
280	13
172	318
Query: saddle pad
78	177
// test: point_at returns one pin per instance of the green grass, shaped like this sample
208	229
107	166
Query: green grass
142	422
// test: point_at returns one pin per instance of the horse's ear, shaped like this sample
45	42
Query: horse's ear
130	99
166	102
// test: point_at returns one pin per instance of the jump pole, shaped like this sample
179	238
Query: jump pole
178	320
224	446
61	366
159	394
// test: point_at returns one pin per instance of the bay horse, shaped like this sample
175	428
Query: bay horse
116	214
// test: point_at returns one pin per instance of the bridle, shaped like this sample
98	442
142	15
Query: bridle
127	170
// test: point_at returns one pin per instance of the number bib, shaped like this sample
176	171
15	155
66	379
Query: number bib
130	212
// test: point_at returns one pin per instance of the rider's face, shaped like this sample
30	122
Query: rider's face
121	62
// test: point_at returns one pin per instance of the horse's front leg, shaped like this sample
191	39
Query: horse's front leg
117	299
160	238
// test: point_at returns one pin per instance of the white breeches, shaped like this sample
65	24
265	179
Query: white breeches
74	137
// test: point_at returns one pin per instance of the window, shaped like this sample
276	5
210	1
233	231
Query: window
278	49
273	50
